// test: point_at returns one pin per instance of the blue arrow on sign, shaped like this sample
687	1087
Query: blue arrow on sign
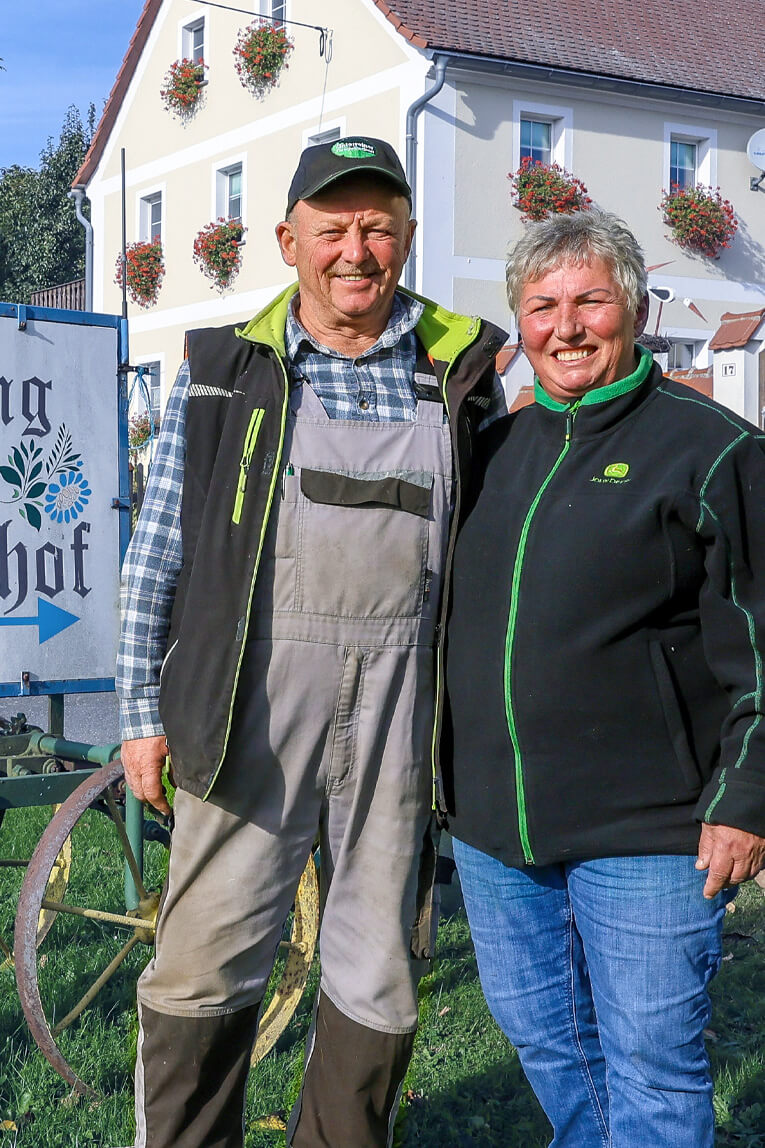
51	620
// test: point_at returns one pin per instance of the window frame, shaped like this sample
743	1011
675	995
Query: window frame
266	8
336	125
185	27
147	361
705	139
144	199
561	120
219	190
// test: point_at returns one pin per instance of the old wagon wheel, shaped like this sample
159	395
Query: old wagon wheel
86	897
137	927
55	891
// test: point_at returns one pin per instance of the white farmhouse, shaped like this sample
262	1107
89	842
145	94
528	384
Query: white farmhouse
628	97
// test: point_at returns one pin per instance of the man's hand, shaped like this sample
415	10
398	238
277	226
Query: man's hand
143	759
730	855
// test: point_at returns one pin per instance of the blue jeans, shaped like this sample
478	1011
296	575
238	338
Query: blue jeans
598	972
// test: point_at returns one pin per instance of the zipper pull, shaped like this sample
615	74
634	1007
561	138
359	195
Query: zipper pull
570	416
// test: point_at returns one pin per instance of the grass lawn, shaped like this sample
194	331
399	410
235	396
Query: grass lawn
464	1088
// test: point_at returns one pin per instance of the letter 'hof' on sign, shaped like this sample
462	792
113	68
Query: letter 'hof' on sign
63	464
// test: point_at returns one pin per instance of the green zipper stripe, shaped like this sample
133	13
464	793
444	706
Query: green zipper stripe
266	516
250	439
758	683
706	406
509	640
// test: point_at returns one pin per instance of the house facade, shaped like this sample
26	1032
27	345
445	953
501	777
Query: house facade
464	91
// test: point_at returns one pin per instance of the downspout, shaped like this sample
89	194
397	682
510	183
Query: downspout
410	274
77	194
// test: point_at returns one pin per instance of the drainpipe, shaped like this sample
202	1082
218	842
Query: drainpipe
410	274
77	194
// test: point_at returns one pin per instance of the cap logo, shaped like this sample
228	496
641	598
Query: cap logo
353	149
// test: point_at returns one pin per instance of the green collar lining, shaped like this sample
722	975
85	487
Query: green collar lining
601	394
443	333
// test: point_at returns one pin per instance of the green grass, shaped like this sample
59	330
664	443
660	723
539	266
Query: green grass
464	1088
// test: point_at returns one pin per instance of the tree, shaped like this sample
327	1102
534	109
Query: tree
41	242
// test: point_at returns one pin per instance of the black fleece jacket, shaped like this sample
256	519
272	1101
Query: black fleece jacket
604	667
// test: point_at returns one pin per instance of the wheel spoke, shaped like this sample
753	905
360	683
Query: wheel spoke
127	848
97	915
96	987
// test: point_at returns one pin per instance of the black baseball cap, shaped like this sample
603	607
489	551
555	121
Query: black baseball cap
322	164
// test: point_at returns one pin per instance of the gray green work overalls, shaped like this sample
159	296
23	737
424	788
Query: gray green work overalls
331	736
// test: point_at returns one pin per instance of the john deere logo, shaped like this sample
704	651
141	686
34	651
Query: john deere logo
355	149
617	470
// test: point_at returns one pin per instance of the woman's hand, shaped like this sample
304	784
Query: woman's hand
730	855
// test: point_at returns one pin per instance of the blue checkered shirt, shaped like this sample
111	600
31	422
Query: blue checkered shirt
375	386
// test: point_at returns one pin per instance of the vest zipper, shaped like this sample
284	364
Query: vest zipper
250	439
266	515
523	827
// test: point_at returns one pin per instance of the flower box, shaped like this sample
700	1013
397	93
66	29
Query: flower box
260	54
145	266
182	88
217	251
541	189
702	221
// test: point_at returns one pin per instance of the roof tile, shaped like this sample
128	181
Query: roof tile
735	330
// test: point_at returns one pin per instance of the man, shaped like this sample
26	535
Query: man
288	566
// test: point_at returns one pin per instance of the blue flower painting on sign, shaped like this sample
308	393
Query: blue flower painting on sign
66	498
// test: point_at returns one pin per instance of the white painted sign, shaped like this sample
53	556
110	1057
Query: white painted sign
728	369
59	473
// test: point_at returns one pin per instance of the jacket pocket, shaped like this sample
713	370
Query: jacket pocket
347	490
673	715
250	439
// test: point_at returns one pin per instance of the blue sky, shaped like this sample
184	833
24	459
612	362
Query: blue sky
56	53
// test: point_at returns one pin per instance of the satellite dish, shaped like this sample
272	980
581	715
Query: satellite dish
663	294
755	149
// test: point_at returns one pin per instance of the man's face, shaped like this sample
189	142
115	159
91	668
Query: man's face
349	245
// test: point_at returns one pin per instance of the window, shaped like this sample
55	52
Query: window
150	219
536	140
153	379
193	41
682	163
325	133
276	9
324	137
542	132
229	191
681	355
690	156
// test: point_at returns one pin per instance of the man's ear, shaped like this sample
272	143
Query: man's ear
641	315
285	237
412	226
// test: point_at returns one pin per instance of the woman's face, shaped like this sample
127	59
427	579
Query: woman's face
578	332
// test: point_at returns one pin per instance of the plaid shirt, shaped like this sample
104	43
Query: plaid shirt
375	386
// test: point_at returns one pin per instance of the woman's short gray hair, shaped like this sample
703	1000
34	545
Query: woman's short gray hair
577	239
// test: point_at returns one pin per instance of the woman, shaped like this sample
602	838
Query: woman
608	616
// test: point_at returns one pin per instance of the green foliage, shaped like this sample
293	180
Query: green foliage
41	242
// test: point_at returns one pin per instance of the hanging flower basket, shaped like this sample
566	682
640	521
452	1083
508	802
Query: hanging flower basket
701	220
541	189
260	54
182	88
217	251
145	272
139	431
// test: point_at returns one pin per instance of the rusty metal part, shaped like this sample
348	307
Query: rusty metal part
33	893
300	949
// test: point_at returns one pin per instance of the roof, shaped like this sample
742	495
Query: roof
616	38
735	330
116	96
700	379
607	38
